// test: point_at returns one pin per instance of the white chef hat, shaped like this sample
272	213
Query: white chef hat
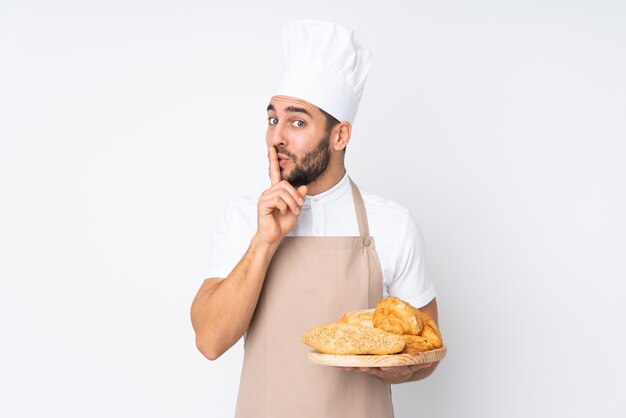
327	66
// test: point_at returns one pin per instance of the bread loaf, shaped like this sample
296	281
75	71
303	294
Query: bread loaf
341	338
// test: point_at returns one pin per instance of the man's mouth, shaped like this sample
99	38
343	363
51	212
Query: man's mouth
282	159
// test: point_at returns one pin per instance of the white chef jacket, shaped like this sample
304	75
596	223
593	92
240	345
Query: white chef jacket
398	239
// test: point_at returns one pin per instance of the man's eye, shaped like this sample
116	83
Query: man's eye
298	124
272	121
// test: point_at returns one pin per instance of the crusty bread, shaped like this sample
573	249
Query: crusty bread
341	338
395	315
363	317
432	334
416	343
422	316
394	326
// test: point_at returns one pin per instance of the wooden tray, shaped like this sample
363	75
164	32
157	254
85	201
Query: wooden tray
388	360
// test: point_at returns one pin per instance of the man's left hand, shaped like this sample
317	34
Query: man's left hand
398	374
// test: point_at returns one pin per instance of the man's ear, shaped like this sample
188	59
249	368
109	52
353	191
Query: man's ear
343	131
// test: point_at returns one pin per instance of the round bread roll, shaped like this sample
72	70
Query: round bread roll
363	317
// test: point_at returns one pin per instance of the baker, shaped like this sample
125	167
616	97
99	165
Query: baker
312	247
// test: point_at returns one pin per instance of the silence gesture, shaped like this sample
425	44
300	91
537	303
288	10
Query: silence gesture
279	206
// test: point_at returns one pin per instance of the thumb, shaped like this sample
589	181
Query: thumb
302	190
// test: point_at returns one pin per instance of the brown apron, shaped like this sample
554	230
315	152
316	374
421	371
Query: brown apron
311	281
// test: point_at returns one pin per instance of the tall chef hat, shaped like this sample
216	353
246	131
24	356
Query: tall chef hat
327	66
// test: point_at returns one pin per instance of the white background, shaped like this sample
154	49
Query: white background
127	126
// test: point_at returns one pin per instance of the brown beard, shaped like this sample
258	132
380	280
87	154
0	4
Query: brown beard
311	166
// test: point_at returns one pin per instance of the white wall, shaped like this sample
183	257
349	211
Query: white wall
126	126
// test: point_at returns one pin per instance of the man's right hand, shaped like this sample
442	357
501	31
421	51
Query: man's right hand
279	206
223	308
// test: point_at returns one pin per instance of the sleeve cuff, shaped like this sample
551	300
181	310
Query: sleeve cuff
422	300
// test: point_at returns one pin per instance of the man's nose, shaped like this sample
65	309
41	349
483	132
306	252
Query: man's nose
277	135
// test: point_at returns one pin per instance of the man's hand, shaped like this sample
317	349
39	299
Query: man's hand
398	374
223	308
279	206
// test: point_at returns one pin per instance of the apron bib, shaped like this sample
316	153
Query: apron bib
311	281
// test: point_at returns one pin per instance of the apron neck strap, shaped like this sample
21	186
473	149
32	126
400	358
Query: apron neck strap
361	214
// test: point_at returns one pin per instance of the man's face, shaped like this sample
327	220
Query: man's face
297	130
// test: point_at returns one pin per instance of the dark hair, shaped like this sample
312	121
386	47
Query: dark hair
331	121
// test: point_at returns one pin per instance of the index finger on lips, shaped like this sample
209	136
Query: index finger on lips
275	176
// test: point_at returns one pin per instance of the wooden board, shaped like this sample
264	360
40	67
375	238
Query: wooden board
377	360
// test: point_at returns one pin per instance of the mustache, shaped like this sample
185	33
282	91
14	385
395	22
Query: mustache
281	150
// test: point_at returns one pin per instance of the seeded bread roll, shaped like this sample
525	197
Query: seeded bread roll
340	338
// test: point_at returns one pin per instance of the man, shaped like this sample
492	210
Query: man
302	255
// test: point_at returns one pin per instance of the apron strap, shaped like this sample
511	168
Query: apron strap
361	214
375	288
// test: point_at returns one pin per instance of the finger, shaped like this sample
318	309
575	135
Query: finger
296	194
395	370
299	194
398	370
275	176
281	206
302	190
270	202
287	196
416	367
374	371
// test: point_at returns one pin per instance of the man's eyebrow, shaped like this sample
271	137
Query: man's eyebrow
292	109
295	109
